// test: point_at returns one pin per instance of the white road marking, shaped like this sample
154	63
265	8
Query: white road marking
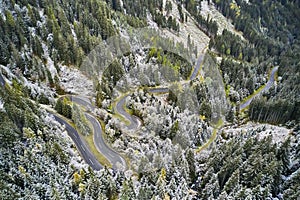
91	161
83	148
111	155
76	136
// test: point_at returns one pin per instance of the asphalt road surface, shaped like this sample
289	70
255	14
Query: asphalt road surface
197	67
86	154
89	158
267	87
115	159
134	121
159	90
85	102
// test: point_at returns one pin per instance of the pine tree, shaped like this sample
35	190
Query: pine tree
113	73
192	168
146	190
168	7
283	155
232	185
59	106
127	191
179	7
172	97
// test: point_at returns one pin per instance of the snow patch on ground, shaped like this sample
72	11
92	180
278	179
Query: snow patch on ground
200	39
279	134
36	88
2	10
222	21
7	74
74	33
39	88
76	159
42	16
150	22
73	81
2	106
50	63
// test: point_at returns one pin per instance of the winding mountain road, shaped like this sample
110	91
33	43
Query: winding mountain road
84	151
115	159
266	87
83	101
86	154
134	121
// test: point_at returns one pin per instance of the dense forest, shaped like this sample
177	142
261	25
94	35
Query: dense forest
178	151
272	32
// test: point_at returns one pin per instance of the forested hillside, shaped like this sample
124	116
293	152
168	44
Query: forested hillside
170	106
272	32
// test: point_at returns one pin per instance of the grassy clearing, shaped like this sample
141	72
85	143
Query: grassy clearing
121	118
89	139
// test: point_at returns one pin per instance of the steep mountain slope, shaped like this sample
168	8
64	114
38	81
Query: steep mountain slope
179	70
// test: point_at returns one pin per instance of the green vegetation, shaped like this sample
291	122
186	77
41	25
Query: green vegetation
80	121
140	8
272	112
18	113
111	75
208	25
172	60
262	49
227	176
39	161
64	107
213	136
255	92
89	28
